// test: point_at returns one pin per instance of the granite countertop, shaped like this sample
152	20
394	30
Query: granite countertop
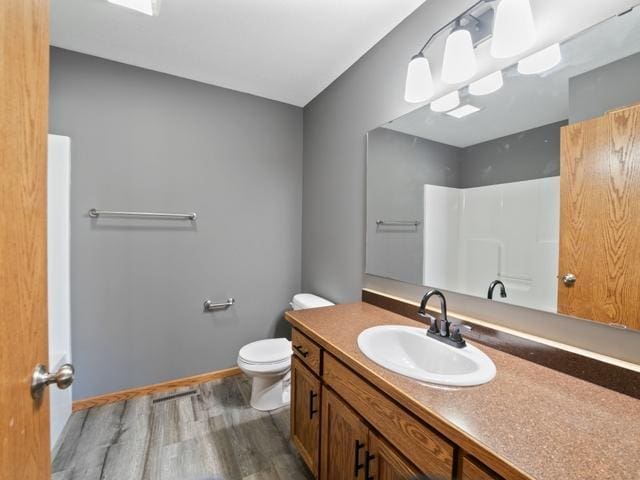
545	424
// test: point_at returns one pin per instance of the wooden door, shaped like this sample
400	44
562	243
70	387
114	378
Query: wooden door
305	413
24	84
384	463
600	218
344	440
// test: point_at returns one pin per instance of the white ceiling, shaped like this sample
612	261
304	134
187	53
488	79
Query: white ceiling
286	50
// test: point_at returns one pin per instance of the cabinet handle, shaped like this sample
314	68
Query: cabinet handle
312	396
357	465
367	465
301	350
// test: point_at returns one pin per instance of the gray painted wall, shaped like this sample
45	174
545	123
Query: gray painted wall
142	140
398	167
612	86
366	96
523	156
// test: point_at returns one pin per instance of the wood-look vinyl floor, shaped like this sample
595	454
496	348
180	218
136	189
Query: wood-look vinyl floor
213	435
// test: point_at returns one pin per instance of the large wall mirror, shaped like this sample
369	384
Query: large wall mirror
525	191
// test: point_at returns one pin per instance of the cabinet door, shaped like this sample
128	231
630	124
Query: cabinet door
384	463
471	469
344	440
305	413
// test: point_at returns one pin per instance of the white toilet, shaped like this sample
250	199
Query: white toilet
268	362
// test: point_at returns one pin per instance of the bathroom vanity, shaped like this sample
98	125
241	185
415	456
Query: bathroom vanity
353	419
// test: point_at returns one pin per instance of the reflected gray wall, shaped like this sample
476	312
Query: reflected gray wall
523	156
143	140
612	86
398	167
333	237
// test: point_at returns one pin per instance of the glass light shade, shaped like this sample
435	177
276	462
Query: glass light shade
541	61
489	84
514	30
419	86
148	7
459	58
446	103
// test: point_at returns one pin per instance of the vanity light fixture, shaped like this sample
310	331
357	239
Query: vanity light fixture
459	64
419	87
514	30
541	61
486	85
446	103
148	7
463	111
460	60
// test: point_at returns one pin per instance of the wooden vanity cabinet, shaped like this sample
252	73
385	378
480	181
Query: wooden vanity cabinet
350	450
305	413
344	440
307	351
472	469
387	464
346	429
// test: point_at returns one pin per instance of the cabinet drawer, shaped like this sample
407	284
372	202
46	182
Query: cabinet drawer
430	452
306	350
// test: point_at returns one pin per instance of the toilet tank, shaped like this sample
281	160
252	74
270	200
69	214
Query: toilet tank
308	300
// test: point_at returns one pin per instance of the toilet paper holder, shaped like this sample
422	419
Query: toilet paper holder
209	306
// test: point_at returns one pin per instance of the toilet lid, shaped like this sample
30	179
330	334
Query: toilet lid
272	350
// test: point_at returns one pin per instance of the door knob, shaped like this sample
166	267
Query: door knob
41	378
569	279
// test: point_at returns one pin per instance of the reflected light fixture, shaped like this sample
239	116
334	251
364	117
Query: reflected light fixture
459	63
446	103
541	61
514	30
463	111
148	7
486	85
419	86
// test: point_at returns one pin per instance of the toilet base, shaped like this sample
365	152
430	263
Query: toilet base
271	392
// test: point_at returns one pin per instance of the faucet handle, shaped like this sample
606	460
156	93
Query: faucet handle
455	331
433	321
462	326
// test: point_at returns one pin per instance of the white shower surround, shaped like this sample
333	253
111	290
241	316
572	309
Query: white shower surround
508	232
58	256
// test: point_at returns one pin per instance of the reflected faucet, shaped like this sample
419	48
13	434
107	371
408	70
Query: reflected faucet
442	331
492	287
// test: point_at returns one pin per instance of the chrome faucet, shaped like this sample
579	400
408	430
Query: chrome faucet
444	321
492	287
440	329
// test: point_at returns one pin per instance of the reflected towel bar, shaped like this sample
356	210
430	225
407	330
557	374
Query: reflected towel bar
399	223
93	213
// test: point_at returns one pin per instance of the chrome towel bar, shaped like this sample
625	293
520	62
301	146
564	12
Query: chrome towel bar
93	213
399	223
209	306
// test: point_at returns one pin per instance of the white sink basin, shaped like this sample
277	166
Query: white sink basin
408	351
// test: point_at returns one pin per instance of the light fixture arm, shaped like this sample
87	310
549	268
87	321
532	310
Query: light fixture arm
447	25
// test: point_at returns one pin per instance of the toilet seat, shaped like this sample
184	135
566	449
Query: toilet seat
273	351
